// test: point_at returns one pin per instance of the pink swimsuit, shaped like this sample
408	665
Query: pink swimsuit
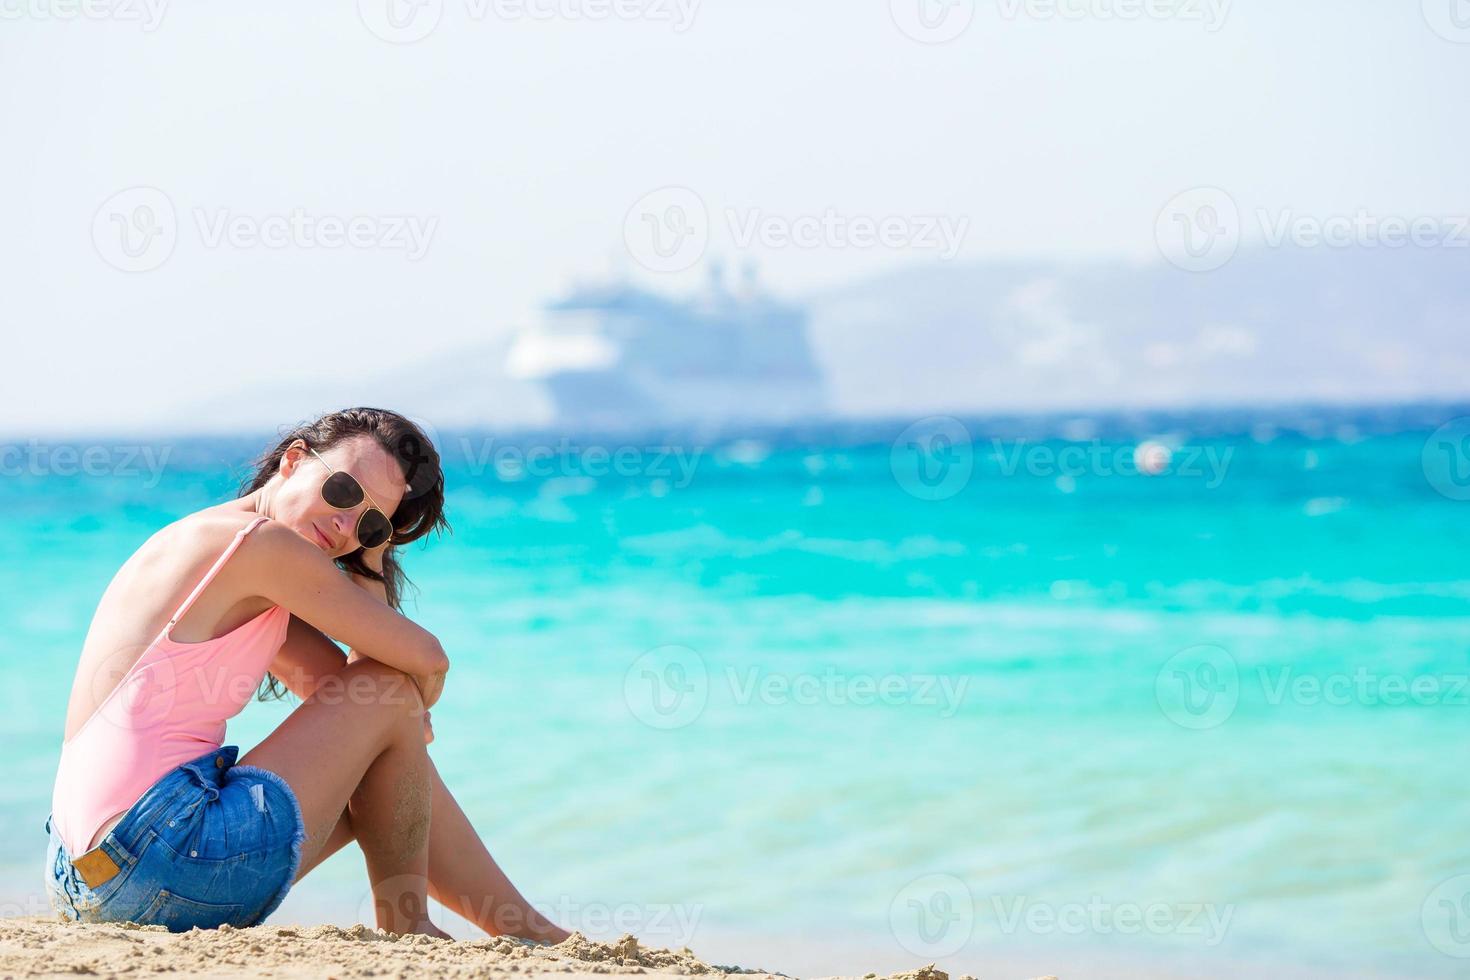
169	708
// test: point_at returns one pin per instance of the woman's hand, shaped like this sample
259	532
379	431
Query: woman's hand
430	687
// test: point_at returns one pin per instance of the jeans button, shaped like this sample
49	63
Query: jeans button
219	762
193	854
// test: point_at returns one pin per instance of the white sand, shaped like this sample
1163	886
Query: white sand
45	947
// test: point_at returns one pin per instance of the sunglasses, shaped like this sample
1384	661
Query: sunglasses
343	492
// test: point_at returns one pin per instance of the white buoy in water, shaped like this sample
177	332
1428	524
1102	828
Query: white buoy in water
1152	458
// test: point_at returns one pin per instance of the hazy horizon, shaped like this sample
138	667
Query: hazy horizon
328	199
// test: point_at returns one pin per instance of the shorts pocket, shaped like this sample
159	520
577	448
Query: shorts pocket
66	885
91	899
179	914
187	853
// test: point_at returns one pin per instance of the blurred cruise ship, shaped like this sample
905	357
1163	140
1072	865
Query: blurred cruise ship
613	355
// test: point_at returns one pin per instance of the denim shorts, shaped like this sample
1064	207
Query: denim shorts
210	843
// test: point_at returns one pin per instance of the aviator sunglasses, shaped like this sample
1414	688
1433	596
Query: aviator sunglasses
342	491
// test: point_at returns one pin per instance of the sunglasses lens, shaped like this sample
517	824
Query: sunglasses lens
374	529
342	491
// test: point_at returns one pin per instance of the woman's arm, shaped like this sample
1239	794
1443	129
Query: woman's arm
374	559
308	654
305	658
290	571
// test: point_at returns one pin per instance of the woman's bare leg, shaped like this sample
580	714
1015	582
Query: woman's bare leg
357	746
463	877
391	806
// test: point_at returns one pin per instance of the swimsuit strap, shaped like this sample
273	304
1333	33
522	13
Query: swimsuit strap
209	576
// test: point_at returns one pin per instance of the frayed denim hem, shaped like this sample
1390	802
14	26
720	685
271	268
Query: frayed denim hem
297	839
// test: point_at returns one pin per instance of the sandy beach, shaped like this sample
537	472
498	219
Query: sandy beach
43	947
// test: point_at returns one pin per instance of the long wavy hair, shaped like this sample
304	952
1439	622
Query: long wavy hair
420	512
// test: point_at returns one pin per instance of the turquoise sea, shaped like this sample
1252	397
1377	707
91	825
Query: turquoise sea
863	697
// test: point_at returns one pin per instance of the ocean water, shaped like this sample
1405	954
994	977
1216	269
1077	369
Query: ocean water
840	699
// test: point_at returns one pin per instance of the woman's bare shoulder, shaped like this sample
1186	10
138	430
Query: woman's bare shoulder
159	573
195	538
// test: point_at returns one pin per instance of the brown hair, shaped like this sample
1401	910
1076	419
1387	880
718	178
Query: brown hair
422	507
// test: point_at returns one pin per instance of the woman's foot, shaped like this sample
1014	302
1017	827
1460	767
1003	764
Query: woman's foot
554	937
540	931
422	928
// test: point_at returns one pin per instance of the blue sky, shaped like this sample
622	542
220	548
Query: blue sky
495	159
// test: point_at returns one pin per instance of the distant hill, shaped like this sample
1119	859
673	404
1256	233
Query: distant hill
1273	325
462	389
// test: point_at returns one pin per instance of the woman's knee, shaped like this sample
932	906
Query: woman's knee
374	684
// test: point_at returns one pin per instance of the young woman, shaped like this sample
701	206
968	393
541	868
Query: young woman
154	822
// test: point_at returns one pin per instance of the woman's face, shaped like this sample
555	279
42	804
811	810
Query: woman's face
298	499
